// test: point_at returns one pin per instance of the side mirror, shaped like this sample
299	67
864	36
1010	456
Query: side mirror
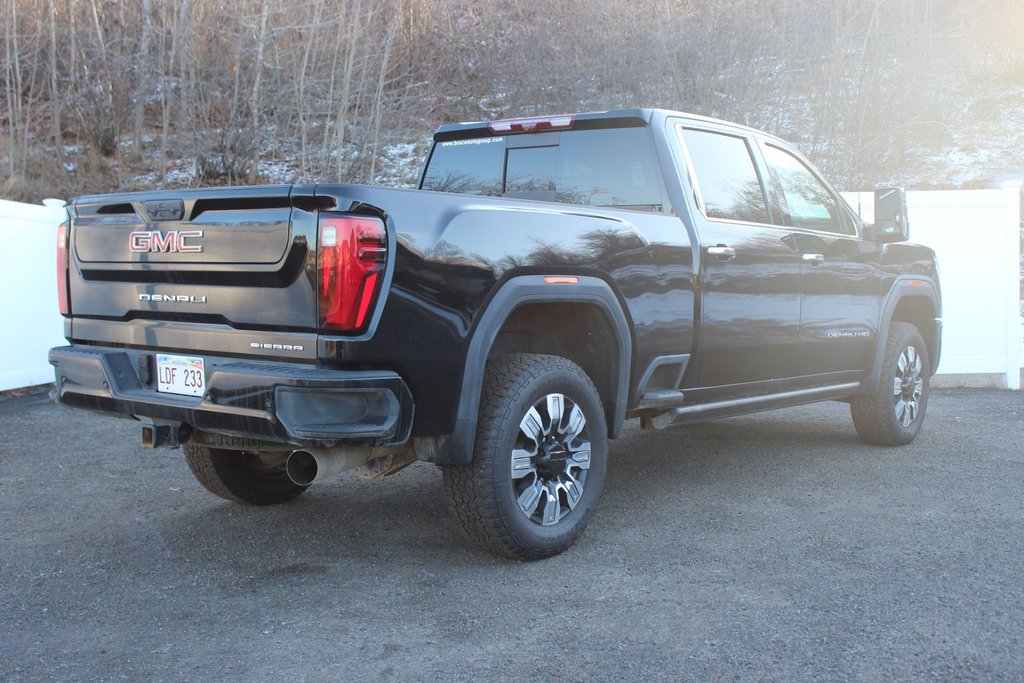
890	215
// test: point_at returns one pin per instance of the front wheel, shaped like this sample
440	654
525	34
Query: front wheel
539	461
893	415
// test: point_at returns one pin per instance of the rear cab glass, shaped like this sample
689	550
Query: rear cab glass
604	167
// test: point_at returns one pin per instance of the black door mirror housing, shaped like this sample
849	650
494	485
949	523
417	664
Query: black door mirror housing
890	216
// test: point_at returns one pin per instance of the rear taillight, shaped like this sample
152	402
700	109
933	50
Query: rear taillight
352	255
62	268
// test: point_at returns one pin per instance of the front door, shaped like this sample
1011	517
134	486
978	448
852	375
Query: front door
839	308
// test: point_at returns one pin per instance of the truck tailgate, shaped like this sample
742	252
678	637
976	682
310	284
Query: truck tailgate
235	257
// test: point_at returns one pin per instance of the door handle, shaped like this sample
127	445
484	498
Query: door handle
722	252
813	259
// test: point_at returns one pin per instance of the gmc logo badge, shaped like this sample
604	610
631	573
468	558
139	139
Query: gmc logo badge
172	241
165	210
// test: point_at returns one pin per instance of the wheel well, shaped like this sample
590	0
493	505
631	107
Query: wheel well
578	332
919	312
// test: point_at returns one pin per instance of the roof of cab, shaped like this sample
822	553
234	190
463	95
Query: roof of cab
612	118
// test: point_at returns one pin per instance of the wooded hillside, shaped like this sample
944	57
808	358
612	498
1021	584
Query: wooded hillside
104	95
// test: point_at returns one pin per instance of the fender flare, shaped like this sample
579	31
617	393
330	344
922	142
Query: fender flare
457	448
904	288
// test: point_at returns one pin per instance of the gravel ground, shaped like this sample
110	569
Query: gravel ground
769	547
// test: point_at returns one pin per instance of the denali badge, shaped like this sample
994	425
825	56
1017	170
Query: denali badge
846	334
178	298
172	241
275	347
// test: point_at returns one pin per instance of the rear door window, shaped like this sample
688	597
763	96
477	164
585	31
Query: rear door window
727	180
613	167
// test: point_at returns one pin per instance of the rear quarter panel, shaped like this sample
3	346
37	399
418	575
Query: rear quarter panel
453	253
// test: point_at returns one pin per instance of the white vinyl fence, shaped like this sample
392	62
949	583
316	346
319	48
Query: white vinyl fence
974	232
29	319
976	236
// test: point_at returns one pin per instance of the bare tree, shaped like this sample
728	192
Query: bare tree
219	90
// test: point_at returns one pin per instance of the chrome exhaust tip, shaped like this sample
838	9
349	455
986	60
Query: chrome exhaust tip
302	468
313	464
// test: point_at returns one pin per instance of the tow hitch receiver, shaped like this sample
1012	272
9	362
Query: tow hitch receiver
160	436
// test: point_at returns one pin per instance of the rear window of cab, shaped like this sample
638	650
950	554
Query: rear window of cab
612	167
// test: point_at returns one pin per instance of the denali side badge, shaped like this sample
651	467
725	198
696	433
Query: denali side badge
172	241
846	334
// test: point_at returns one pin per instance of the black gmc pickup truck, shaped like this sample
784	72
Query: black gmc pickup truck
550	279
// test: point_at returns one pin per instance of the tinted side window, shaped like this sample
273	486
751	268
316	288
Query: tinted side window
467	166
806	203
726	176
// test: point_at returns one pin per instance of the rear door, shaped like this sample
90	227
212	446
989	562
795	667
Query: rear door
750	274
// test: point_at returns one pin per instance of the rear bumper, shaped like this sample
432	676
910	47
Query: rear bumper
288	403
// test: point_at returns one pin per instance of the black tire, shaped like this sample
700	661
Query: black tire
241	476
893	415
563	465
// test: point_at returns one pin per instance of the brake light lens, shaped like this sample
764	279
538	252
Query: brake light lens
62	268
351	257
532	125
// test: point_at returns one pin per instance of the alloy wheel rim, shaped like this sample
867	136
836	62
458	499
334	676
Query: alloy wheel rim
907	386
550	460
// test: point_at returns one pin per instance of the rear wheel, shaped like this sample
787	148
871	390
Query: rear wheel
893	415
242	476
539	462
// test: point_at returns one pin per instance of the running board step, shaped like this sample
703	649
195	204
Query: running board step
660	400
742	406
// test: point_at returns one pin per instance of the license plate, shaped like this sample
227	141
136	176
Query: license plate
184	375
